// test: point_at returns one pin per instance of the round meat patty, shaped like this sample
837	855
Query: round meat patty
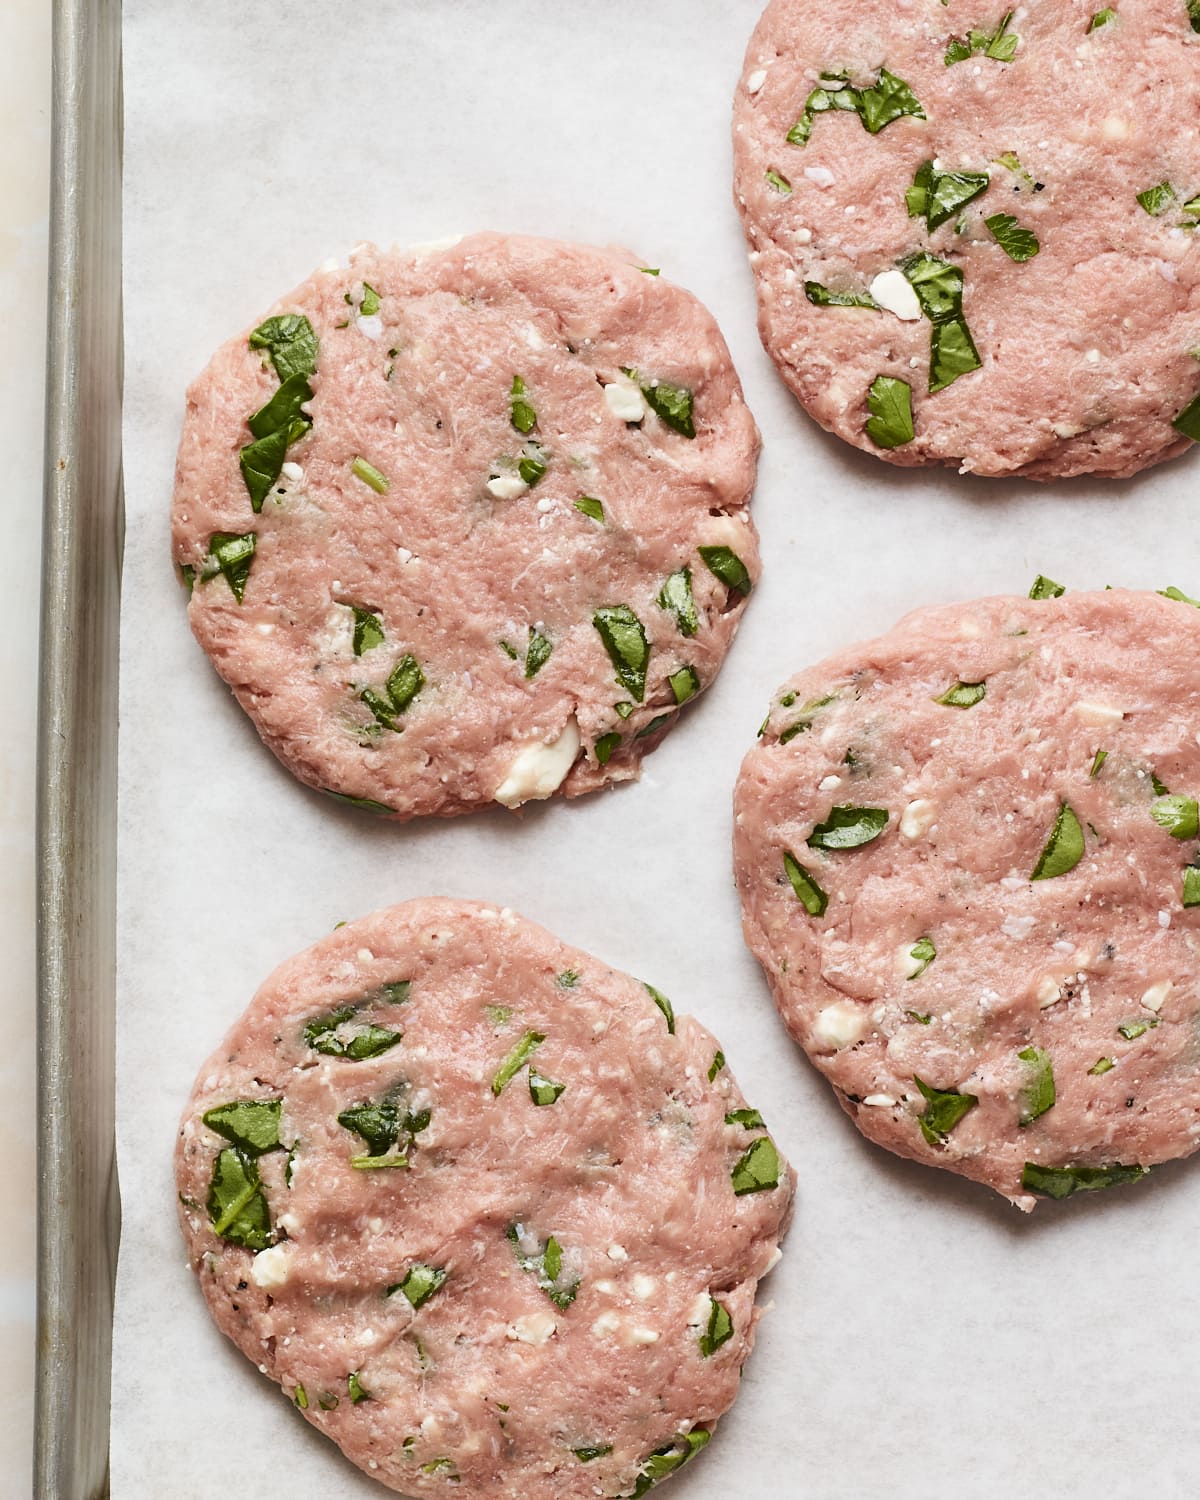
489	1213
967	855
973	231
468	524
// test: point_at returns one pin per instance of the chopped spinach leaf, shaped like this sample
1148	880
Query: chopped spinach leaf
1180	816
1061	1182
250	1124
1102	18
546	1265
748	1119
1046	588
378	1123
675	596
821	296
777	181
668	1458
1064	847
757	1169
944	1109
718	1331
589	1451
808	892
1131	1030
544	1090
237	1201
292	343
371	301
1097	762
725	564
1188	421
889	401
364	802
1037	1095
356	1389
848	827
877	106
684	683
322	1035
952	353
1102	1065
1191	886
1157	199
999	45
937	196
605	746
672	404
624	638
716	1065
1018	244
230	554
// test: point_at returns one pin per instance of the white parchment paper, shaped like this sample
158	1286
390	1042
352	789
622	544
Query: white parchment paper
925	1338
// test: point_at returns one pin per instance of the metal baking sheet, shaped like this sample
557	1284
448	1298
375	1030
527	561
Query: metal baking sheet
77	752
922	1332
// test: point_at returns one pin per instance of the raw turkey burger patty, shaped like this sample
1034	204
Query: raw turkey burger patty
488	1212
966	855
976	176
469	524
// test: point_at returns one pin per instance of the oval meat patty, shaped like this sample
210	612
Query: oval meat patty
468	525
973	230
968	861
489	1213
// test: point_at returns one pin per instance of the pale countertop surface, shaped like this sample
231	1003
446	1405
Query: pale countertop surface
24	172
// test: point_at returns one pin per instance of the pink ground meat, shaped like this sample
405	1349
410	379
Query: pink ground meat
967	855
470	524
1019	191
490	1214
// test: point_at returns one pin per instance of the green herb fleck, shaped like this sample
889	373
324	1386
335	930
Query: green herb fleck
716	1065
668	1458
963	695
1157	199
672	404
516	1060
1191	886
605	746
537	653
1188	422
889	401
1064	847
1103	17
1102	1065
544	1090
757	1169
1061	1182
777	181
808	892
300	1397
1046	588
1097	762
663	1004
420	1282
922	954
589	506
624	639
368	630
355	1387
999	45
524	418
363	802
546	1266
370	475
405	682
1178	596
748	1119
1131	1030
590	1451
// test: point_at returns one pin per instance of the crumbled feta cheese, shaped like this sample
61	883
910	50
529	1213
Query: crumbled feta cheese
371	327
822	176
269	1269
1017	927
883	1101
1048	992
908	964
431	247
539	770
829	783
625	400
918	818
840	1025
1153	998
532	1328
756	80
606	1323
506	486
643	1287
618	1253
643	1336
893	291
292	471
1101	715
